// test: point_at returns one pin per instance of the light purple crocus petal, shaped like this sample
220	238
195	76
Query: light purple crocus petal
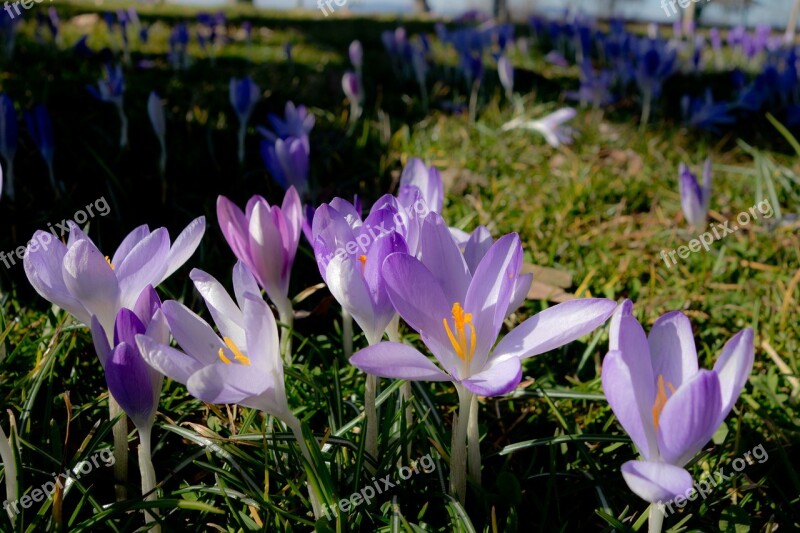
244	283
224	311
100	340
692	200
266	232
127	326
672	349
44	271
655	481
619	385
147	304
733	368
497	378
419	300
262	338
292	209
184	246
688	420
133	384
440	254
172	363
505	71
234	227
555	327
428	180
144	265
192	333
522	287
356	52
395	360
479	242
128	243
89	278
221	383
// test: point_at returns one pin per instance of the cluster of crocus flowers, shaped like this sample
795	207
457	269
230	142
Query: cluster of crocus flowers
459	315
265	239
695	197
668	405
111	89
94	288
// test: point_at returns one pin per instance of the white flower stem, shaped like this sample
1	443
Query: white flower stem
148	474
286	316
458	449
474	443
371	415
655	519
297	430
120	431
242	134
393	331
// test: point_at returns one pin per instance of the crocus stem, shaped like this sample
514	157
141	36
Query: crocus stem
148	474
458	449
655	519
123	127
645	111
347	334
473	101
393	331
10	467
297	430
120	431
371	415
242	133
474	443
286	316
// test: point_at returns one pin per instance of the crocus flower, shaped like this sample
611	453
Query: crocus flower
458	315
695	198
551	126
78	278
668	406
351	86
506	72
240	365
134	384
155	110
356	52
297	122
40	129
265	239
8	141
288	162
244	95
111	89
428	180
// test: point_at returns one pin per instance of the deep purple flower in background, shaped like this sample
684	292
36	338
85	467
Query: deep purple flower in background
668	406
297	122
288	161
9	133
695	197
356	53
265	239
111	89
705	113
79	279
351	85
244	95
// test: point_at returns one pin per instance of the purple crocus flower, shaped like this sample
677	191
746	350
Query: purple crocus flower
78	278
459	316
265	239
244	95
668	406
428	180
40	128
111	89
356	53
297	122
506	72
9	132
351	85
288	161
551	126
695	198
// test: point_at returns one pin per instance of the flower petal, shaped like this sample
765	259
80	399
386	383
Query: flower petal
227	316
192	333
672	348
233	383
125	247
173	363
397	361
130	381
689	418
144	265
733	368
441	256
656	482
90	279
497	378
184	246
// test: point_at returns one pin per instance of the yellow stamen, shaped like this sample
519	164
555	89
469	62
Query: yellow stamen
661	398
461	319
237	353
108	260
363	260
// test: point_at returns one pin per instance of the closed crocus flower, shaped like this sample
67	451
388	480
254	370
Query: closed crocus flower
356	52
80	279
695	197
668	406
265	239
288	161
551	126
505	71
428	180
244	94
9	133
155	110
351	85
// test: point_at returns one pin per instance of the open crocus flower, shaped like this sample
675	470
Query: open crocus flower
668	406
551	126
80	279
695	198
459	315
265	239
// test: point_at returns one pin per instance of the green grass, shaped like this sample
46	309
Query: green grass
602	210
